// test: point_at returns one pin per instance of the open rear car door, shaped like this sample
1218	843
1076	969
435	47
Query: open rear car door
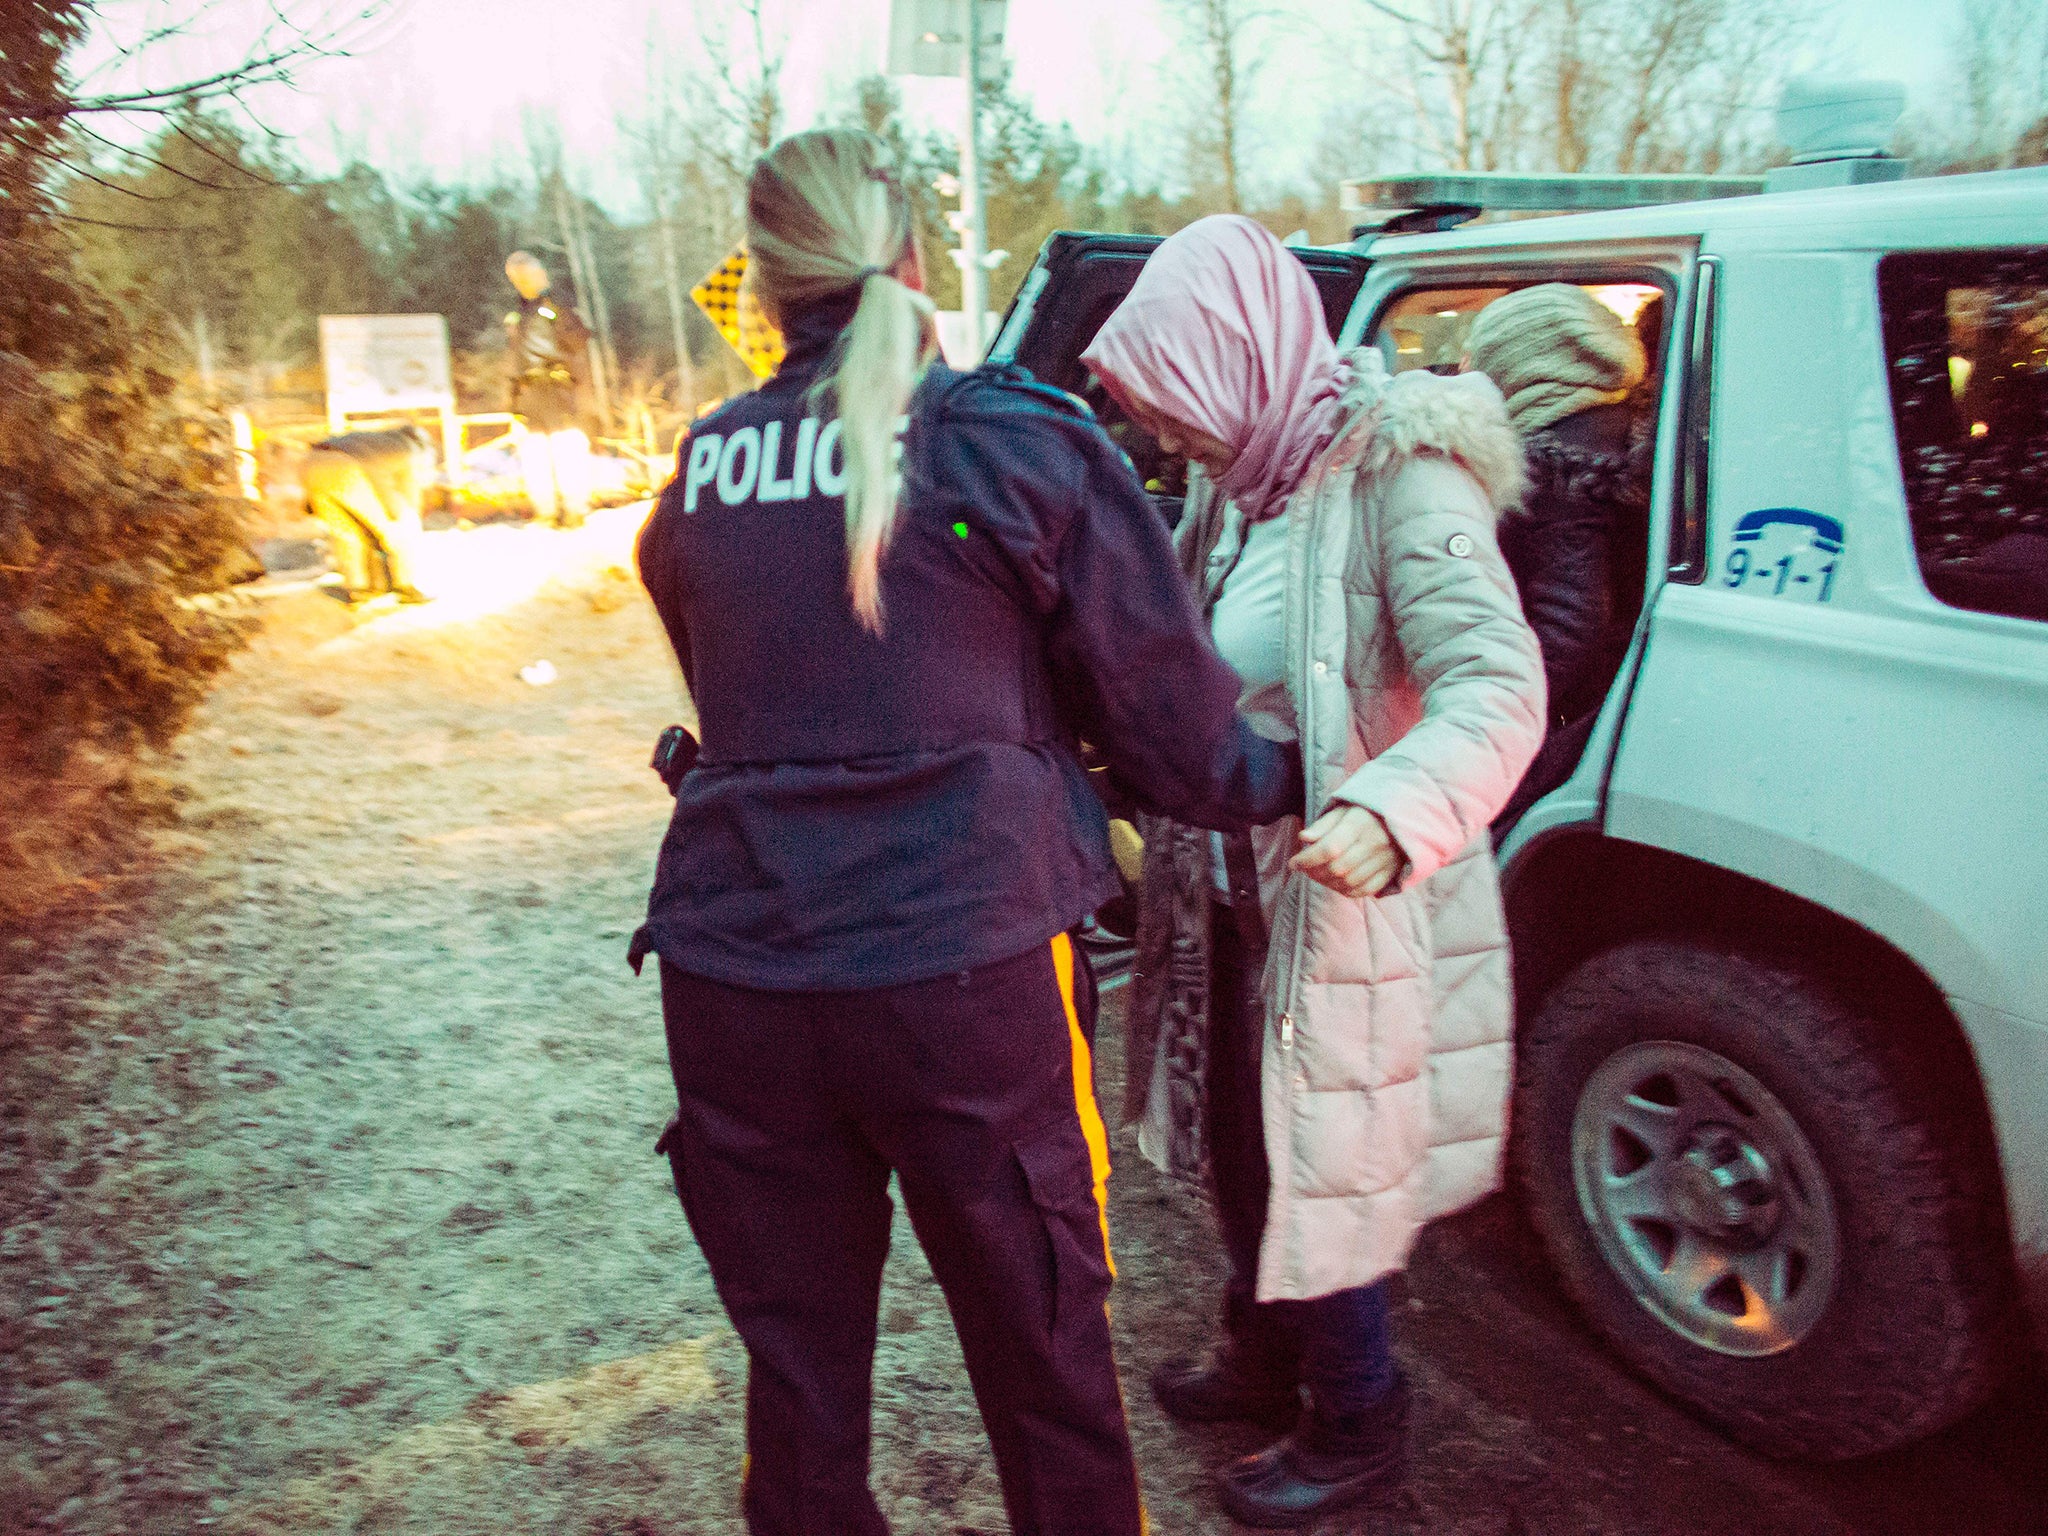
1079	278
1070	291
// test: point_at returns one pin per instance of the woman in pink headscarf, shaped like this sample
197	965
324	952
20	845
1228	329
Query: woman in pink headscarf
1339	1057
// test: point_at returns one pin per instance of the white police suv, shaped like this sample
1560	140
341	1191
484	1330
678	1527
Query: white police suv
1781	925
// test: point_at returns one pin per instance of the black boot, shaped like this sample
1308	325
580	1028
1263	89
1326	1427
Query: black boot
1232	1385
1321	1467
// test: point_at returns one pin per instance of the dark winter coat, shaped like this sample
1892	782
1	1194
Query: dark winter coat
873	810
1569	547
548	363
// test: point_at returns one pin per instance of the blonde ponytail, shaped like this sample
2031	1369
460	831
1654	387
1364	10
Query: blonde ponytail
826	214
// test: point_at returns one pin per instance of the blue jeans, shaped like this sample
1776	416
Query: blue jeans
1341	1345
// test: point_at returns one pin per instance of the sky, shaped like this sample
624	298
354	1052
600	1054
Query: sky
444	87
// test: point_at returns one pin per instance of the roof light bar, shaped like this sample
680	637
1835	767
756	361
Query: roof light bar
1514	192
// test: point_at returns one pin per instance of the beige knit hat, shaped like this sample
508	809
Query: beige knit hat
1554	350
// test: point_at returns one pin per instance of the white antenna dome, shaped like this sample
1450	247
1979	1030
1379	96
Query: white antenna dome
1831	119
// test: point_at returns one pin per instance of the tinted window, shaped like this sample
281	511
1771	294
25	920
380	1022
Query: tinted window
1966	341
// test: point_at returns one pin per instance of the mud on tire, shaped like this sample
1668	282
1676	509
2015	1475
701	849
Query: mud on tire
1904	1340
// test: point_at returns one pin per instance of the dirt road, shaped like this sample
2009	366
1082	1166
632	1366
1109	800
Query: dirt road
329	1202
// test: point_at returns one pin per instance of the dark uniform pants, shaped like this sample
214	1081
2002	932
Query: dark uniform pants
976	1090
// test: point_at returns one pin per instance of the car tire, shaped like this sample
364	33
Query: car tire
1680	1107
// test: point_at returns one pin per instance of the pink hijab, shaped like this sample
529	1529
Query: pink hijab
1223	331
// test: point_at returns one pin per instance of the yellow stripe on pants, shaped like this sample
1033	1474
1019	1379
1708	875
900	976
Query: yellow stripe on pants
1092	1128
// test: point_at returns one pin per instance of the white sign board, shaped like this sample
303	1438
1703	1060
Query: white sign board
377	363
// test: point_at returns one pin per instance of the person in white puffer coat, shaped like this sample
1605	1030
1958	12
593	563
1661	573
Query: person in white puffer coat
1323	1016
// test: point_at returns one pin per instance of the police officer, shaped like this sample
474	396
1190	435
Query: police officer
547	353
899	594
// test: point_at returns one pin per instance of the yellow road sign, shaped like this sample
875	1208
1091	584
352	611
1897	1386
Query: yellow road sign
738	316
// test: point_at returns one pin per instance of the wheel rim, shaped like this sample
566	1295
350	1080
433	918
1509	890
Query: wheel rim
1705	1197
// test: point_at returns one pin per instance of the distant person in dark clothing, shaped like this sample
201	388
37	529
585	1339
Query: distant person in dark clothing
547	357
1569	366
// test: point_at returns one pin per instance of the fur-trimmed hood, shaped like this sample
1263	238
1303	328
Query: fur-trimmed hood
1389	419
1566	478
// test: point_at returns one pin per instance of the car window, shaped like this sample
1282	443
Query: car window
1966	343
1428	327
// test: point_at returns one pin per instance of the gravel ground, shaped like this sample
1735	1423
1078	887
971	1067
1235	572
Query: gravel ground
329	1203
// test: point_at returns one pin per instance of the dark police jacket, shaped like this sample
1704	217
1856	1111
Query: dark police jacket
872	810
1589	484
545	345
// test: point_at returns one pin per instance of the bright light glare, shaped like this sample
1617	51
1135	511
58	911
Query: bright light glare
1627	300
472	572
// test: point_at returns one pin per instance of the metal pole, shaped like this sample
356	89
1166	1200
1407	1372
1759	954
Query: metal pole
451	446
974	230
244	432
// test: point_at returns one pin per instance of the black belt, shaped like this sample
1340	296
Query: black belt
866	755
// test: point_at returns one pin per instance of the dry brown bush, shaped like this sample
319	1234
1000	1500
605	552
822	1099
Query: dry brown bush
111	521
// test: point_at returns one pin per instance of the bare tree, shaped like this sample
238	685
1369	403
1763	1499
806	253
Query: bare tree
1464	76
1583	85
1360	135
1694	80
1219	34
2001	49
703	122
288	38
551	183
50	115
658	177
1574	80
737	102
661	136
